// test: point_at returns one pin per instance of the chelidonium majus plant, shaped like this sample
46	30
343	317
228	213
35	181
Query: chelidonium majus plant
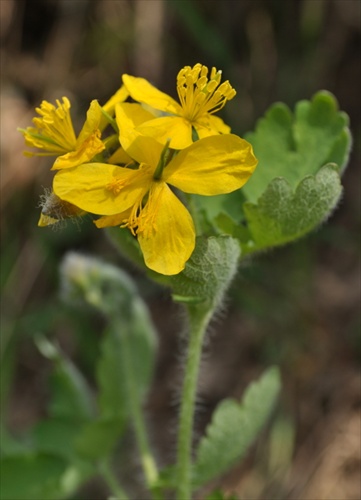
186	200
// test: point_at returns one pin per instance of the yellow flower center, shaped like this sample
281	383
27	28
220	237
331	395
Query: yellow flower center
143	216
199	94
116	185
143	213
147	218
56	125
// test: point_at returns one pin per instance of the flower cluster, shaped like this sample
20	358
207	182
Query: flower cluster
135	175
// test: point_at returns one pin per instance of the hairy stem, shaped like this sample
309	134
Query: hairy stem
198	322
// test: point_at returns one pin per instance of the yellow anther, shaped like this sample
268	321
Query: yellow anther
198	94
212	85
204	71
213	73
116	185
202	82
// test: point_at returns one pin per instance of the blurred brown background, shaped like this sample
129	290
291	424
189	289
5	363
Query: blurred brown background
297	307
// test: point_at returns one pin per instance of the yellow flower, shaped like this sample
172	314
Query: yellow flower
200	97
54	134
152	211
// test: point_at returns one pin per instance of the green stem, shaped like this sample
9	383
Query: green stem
112	481
198	322
147	460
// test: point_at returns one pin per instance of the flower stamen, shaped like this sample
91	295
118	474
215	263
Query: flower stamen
55	123
116	185
199	95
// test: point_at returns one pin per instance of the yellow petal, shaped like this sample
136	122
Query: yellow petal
91	125
142	91
167	239
86	151
120	157
88	143
175	128
141	148
100	188
210	125
213	165
134	113
112	220
128	117
120	96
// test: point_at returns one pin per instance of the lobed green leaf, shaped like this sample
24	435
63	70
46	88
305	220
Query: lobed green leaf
296	146
296	184
282	214
234	427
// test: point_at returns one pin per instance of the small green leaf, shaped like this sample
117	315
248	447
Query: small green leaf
70	396
10	445
112	399
128	347
296	146
98	438
282	215
135	334
234	427
56	436
209	271
32	477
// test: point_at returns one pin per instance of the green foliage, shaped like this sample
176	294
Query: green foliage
126	362
112	399
136	325
46	459
208	272
296	146
9	445
70	396
282	215
31	477
234	427
56	436
68	447
97	439
296	184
